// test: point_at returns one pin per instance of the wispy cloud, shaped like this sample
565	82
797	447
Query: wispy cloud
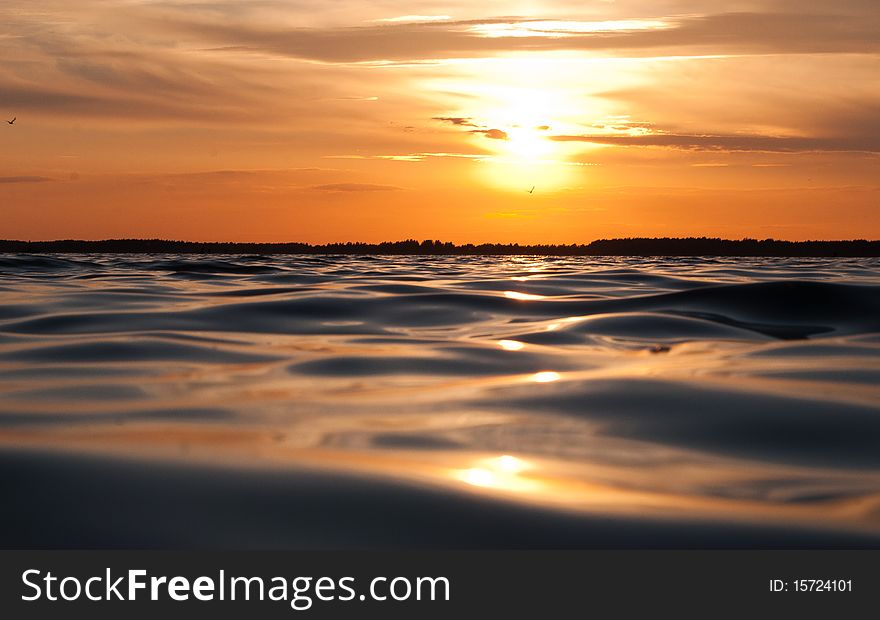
564	28
414	18
719	33
355	187
25	179
757	143
416	156
465	121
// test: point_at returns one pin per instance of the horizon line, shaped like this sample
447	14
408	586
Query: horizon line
627	246
438	241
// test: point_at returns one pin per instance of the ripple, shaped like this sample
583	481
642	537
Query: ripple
751	424
358	401
139	350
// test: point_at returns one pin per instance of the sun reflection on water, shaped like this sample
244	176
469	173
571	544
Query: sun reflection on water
545	376
522	296
502	472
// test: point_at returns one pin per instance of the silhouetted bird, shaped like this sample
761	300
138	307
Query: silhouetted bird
12	121
532	190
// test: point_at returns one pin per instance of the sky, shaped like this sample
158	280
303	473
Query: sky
559	121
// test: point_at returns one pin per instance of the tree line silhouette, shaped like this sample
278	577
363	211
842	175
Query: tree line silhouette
631	246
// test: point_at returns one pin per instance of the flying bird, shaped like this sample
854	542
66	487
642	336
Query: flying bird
12	121
532	190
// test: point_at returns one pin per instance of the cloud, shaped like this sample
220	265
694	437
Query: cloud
354	187
141	74
25	179
755	32
414	18
466	121
461	121
158	68
415	156
755	143
120	105
494	134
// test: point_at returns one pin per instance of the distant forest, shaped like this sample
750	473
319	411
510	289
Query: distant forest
636	246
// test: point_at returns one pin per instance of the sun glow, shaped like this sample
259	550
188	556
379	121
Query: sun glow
525	115
510	108
529	143
515	124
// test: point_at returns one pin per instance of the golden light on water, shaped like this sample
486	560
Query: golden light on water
502	472
545	376
552	327
510	464
401	379
522	296
478	477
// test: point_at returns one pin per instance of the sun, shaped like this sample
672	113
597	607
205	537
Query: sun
528	143
519	126
525	158
511	108
524	115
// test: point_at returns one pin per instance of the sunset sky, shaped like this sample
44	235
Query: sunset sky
334	120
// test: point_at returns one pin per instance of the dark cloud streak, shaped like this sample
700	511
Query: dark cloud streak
354	187
494	134
460	121
25	179
758	143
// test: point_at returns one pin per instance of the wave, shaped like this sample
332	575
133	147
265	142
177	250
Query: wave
785	310
595	402
162	505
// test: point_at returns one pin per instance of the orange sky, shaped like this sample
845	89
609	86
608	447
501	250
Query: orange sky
318	120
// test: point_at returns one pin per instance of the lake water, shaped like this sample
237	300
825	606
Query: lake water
416	402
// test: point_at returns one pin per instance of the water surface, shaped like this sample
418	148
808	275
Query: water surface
339	401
